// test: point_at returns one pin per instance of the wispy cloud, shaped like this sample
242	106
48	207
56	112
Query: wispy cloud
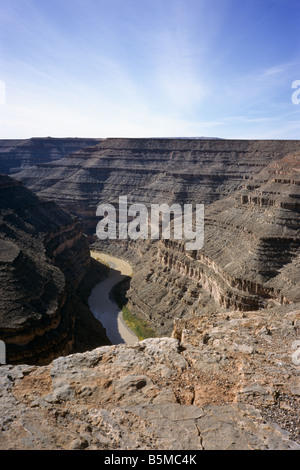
279	71
177	74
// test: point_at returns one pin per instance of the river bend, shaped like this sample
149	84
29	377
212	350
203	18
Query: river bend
103	308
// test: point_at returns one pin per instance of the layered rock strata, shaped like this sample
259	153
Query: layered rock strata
15	155
250	189
151	171
44	257
250	258
228	377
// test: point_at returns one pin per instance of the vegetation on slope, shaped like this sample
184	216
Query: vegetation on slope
139	326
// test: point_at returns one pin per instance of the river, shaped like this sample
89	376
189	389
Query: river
103	308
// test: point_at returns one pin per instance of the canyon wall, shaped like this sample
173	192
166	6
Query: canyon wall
16	155
44	258
250	259
151	171
250	189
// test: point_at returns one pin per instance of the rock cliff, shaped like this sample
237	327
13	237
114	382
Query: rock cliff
250	190
151	171
44	259
250	259
16	155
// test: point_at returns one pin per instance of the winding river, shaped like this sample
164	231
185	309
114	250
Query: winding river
103	308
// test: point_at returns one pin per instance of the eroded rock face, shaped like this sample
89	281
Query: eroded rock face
161	393
250	258
151	171
15	155
44	257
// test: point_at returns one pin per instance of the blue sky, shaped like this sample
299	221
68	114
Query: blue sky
149	68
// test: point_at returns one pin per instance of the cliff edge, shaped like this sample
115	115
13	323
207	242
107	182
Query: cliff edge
44	260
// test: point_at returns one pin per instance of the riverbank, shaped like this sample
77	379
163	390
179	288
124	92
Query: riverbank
88	331
103	307
139	326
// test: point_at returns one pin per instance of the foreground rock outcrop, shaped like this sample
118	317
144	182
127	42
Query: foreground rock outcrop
234	385
44	259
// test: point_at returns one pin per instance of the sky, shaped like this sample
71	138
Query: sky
150	68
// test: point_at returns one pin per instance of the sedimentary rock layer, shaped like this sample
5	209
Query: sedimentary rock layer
250	258
16	155
250	190
151	171
228	377
44	257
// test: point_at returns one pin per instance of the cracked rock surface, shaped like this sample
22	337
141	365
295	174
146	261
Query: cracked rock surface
154	394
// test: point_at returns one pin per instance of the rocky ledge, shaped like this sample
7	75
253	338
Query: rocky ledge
227	382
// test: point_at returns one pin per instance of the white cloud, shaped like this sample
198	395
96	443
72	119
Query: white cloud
279	71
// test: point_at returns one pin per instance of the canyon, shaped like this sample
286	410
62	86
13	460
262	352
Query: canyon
250	190
224	364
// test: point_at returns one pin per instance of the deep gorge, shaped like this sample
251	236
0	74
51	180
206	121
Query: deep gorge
250	191
223	371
